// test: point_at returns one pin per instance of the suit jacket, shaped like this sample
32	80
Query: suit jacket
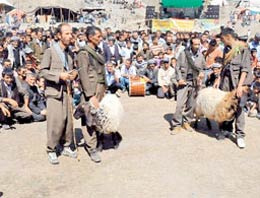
183	66
51	67
91	73
241	63
15	96
108	54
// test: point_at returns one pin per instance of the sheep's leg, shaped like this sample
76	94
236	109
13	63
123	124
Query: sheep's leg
196	123
208	124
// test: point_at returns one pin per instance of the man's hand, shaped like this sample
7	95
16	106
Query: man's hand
65	76
12	102
5	111
44	112
201	75
239	91
165	89
27	109
216	83
181	82
94	101
73	74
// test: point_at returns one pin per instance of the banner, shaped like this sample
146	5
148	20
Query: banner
177	25
180	25
208	24
162	25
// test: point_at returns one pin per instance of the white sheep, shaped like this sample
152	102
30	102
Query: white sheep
215	104
108	114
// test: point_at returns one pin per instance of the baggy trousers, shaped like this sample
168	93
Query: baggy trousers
59	122
185	105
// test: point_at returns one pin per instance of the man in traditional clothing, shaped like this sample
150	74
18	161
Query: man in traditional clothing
56	69
92	78
236	74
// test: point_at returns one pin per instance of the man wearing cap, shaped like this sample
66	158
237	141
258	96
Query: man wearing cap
211	80
235	75
166	75
188	74
151	73
15	54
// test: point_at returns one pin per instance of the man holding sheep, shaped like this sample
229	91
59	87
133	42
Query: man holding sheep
236	74
188	75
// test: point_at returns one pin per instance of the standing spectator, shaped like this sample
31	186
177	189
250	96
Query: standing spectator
15	54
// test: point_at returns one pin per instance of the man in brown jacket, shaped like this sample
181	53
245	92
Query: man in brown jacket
56	69
92	79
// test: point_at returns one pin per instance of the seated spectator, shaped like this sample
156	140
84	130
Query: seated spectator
20	79
146	52
6	64
169	53
15	99
166	76
112	78
140	64
127	71
216	67
156	48
252	105
151	73
5	117
37	102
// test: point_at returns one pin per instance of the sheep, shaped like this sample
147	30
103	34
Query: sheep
215	104
108	113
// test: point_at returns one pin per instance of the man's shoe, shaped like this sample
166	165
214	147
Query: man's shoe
53	159
258	115
223	135
241	143
177	130
187	127
118	93
93	153
69	153
6	127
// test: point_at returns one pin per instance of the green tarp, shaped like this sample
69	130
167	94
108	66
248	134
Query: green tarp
182	3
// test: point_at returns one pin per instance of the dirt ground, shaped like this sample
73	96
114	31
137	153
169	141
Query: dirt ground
148	163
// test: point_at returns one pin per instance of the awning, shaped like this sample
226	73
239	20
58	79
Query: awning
182	3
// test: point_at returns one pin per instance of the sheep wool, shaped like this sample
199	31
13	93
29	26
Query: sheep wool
216	105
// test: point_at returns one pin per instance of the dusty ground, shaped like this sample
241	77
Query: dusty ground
149	162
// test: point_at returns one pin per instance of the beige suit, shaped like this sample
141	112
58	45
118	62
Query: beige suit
59	106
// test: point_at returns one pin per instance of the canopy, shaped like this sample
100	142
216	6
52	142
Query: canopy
182	3
16	12
6	5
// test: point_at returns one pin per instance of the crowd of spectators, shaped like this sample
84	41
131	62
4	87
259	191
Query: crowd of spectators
151	55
